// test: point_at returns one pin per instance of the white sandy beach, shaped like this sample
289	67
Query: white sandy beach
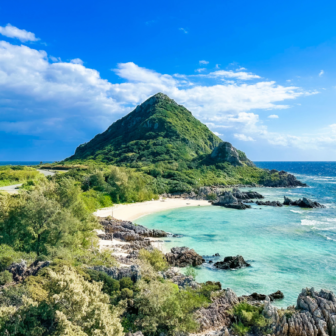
136	210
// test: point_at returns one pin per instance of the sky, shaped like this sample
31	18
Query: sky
259	74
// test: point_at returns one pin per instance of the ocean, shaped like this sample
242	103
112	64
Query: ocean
289	248
22	163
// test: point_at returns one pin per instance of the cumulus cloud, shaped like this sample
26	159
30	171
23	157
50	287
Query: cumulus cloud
231	74
243	137
203	62
20	34
40	96
273	116
321	73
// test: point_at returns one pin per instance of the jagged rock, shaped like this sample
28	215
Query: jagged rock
132	272
225	152
242	195
20	270
284	180
278	295
303	203
217	314
232	263
227	200
181	280
183	256
270	203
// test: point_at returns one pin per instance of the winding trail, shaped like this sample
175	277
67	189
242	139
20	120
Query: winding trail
13	189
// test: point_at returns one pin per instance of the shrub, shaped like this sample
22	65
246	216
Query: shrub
126	283
155	258
240	329
5	277
126	293
191	271
110	285
9	256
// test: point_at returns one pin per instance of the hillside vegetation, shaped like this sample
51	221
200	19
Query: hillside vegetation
17	174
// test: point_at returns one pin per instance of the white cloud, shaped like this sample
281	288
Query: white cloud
184	30
217	66
321	73
67	98
200	69
273	116
203	62
77	61
231	74
218	134
243	137
241	69
21	34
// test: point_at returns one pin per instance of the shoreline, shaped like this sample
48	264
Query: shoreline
133	211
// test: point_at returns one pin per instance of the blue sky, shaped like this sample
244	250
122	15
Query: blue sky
260	74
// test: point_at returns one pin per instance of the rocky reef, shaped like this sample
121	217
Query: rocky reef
232	263
303	203
184	256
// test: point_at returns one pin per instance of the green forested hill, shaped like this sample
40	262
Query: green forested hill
159	130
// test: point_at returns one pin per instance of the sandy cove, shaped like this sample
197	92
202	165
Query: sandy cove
133	211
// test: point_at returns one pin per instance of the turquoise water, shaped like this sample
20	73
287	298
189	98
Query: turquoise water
289	248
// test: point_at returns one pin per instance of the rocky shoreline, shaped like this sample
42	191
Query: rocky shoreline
314	313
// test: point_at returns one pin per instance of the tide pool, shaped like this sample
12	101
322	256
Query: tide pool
289	248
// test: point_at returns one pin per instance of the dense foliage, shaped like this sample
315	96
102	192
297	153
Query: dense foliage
17	174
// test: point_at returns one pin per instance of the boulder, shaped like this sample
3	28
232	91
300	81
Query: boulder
242	195
303	203
118	273
181	280
20	270
270	203
227	200
278	295
232	263
183	256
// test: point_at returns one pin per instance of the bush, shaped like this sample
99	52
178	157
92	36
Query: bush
110	285
191	271
9	256
240	329
155	258
126	293
5	277
126	283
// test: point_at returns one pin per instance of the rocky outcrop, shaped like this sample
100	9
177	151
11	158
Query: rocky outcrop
227	200
20	271
217	315
181	280
118	273
246	195
127	231
270	203
184	256
232	263
225	152
278	295
303	203
281	180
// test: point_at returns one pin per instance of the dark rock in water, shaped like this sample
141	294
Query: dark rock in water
216	255
282	180
210	261
245	195
214	283
20	271
232	263
270	203
177	235
261	297
184	256
227	200
303	203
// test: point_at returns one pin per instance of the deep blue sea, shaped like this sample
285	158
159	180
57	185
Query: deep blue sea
22	163
289	248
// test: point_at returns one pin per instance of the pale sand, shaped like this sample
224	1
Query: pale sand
136	210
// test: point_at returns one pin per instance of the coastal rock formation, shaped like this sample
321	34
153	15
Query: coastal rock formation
281	179
179	279
245	195
132	272
270	203
303	203
184	256
127	231
232	263
217	314
227	200
20	271
278	295
225	152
